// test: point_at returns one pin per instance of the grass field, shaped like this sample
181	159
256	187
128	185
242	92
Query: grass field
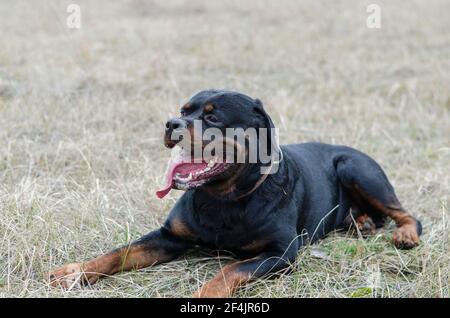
82	114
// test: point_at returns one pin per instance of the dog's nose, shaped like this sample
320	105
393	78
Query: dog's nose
175	124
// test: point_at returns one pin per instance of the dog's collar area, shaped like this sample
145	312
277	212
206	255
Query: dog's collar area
263	177
259	182
256	186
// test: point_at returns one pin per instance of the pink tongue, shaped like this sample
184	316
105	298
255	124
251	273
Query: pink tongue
182	168
161	193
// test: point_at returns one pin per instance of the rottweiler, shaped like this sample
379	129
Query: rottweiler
263	219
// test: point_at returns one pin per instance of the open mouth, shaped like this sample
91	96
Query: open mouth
185	174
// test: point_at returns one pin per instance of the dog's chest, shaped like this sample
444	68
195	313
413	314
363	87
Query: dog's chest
228	226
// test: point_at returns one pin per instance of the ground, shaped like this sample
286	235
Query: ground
82	114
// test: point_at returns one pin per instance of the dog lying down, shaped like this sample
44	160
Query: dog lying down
262	212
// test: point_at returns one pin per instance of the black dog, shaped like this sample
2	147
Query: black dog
264	219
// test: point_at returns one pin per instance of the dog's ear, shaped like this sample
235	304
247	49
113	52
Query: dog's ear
275	150
259	108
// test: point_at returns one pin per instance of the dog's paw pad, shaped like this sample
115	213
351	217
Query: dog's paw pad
406	237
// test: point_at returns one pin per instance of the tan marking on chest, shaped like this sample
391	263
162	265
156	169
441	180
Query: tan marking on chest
180	229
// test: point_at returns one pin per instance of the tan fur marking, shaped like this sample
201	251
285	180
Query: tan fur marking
178	228
365	224
225	283
186	106
406	233
124	259
208	108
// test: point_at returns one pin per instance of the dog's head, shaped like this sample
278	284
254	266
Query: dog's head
224	139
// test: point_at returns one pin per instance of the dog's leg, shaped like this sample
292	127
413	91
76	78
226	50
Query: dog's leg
408	230
360	221
365	224
154	248
233	276
365	180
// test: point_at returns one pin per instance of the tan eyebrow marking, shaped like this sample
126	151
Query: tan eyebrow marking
208	108
186	106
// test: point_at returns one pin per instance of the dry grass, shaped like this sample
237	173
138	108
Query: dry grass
82	111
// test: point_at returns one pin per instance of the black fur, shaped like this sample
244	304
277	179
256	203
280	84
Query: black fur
309	196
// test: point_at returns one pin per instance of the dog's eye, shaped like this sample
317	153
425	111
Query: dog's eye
211	118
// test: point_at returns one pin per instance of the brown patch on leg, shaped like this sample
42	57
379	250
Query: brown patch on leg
137	257
123	259
224	283
406	235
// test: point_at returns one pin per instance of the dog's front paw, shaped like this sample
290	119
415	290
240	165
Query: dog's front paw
406	237
70	275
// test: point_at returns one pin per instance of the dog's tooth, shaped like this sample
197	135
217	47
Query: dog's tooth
190	176
211	163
